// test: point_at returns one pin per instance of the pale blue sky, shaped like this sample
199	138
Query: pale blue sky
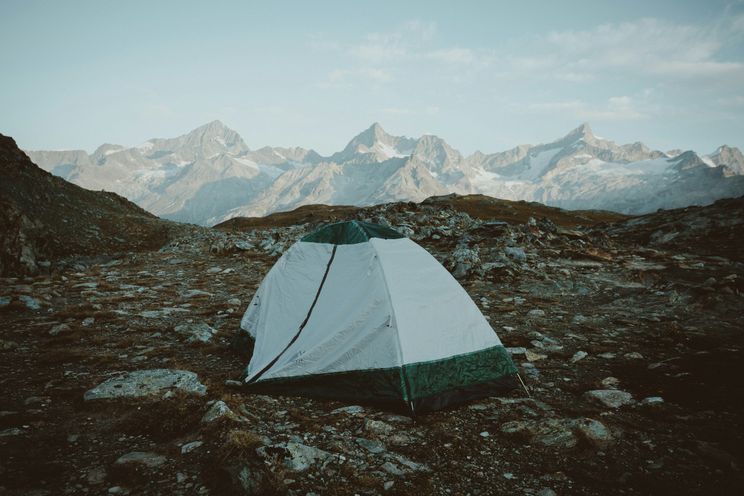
483	75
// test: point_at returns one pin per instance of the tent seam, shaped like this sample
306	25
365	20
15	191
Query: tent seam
406	391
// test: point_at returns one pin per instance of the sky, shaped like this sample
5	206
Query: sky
483	75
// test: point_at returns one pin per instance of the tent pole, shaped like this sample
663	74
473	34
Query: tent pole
524	385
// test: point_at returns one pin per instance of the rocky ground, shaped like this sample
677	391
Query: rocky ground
118	373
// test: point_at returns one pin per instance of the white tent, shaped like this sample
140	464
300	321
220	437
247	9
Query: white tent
357	312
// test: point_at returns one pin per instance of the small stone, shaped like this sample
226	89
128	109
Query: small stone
536	313
370	445
117	490
30	302
351	410
515	253
189	447
633	356
234	302
595	432
88	321
181	478
378	427
652	401
196	332
579	355
141	457
484	434
610	382
610	398
607	356
96	475
388	485
392	469
59	329
546	491
518	351
302	457
534	357
218	411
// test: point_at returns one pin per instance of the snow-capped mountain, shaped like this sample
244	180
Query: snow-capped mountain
191	178
210	174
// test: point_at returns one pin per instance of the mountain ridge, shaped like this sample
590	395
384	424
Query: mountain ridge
210	174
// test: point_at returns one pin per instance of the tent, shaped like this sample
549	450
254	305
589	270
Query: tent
357	312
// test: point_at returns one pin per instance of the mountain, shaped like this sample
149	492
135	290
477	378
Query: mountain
190	178
210	175
43	217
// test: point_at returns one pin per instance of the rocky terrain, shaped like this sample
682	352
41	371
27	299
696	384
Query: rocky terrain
209	175
44	218
119	373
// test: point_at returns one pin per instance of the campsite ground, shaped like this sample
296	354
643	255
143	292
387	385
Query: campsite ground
640	310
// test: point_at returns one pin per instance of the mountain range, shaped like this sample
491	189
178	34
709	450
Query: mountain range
210	175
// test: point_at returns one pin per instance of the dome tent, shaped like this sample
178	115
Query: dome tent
356	311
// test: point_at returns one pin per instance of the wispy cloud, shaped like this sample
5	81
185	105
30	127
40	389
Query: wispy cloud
645	46
339	78
616	108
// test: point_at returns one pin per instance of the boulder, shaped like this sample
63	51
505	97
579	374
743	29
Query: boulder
144	383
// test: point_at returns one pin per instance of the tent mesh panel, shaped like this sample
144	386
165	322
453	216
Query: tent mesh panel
351	232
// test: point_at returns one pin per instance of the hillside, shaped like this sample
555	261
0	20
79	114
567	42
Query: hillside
45	218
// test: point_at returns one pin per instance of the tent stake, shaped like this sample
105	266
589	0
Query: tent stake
524	385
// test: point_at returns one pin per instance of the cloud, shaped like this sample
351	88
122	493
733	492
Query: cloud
453	55
645	46
396	44
427	110
616	108
339	78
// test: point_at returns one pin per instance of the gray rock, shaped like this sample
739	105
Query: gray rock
515	253
378	427
535	313
59	329
652	401
595	432
234	302
351	410
579	355
244	245
392	469
218	411
196	332
301	457
5	301
610	382
141	457
546	491
96	475
195	293
549	432
371	445
13	431
189	447
88	321
143	383
610	398
30	302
